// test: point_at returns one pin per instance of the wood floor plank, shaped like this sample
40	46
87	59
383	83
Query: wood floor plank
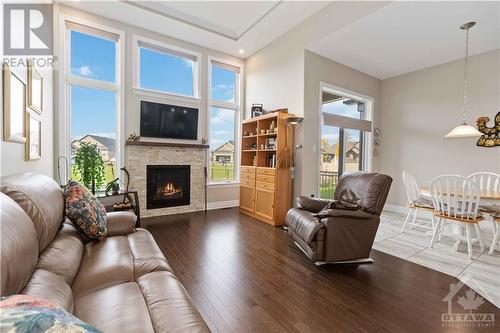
246	276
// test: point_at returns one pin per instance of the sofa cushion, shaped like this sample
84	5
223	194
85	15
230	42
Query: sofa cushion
18	245
118	259
85	211
165	294
118	308
51	287
24	313
41	198
64	255
104	264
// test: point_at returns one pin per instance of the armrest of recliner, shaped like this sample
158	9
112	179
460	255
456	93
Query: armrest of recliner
313	205
120	223
346	214
303	224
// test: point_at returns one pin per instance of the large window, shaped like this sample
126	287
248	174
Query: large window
224	121
344	128
92	95
163	69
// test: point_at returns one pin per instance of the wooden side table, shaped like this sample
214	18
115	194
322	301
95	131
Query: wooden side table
127	197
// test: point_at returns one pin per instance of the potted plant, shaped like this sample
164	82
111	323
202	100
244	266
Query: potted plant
113	186
89	165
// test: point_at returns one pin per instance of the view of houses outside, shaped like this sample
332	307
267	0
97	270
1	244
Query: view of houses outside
222	162
331	149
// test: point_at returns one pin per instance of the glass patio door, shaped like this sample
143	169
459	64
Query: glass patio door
342	144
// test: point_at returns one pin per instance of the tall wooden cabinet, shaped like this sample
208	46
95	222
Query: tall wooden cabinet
266	152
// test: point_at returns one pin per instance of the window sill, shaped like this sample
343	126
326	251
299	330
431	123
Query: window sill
234	183
162	94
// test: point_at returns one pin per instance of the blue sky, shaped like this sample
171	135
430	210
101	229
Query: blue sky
93	110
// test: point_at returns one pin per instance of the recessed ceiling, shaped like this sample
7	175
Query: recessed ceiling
402	37
226	26
237	17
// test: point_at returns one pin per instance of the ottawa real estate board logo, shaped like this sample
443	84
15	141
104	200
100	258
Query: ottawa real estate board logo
470	302
27	33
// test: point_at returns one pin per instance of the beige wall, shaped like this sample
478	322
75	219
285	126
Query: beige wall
275	77
12	154
319	69
133	97
284	74
419	108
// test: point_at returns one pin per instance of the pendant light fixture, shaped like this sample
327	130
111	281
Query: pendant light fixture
465	130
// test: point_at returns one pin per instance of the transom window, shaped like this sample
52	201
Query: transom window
166	70
224	121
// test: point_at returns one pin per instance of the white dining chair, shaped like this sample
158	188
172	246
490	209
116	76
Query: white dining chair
416	202
496	232
456	199
489	182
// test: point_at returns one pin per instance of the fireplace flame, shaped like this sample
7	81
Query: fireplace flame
170	190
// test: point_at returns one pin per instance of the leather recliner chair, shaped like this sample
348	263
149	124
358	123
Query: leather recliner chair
328	234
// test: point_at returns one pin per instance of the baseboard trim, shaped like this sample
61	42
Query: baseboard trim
223	204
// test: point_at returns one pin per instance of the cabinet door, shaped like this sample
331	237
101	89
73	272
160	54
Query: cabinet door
247	198
264	203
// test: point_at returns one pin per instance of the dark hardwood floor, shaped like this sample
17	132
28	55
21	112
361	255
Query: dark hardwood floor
244	275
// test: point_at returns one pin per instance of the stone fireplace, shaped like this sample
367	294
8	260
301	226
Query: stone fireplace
141	156
167	186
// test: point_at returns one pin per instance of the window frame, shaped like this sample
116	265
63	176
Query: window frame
167	49
366	138
66	80
236	106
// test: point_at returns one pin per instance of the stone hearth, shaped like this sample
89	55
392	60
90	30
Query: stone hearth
137	158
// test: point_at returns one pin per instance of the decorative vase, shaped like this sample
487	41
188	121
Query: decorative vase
272	127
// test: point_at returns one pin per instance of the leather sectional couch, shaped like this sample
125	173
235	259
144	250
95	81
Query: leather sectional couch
120	284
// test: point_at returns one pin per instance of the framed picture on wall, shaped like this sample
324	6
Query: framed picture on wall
33	137
14	106
35	89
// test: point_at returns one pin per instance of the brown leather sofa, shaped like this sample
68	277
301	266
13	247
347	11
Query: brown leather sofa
341	235
120	284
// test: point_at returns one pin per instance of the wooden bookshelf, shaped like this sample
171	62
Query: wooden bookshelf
265	185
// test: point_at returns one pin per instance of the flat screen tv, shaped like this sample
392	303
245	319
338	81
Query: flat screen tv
168	121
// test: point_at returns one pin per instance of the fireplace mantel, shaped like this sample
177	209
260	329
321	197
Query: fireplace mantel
166	144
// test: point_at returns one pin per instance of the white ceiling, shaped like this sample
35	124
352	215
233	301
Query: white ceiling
228	18
406	36
226	26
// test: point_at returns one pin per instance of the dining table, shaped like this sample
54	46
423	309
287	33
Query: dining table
488	200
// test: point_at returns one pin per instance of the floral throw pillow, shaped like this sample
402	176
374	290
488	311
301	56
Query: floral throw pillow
85	211
26	314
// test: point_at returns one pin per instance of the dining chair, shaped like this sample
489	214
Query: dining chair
416	202
489	183
456	199
496	232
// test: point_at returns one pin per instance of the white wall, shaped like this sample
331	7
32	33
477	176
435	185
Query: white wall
133	97
420	108
12	153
